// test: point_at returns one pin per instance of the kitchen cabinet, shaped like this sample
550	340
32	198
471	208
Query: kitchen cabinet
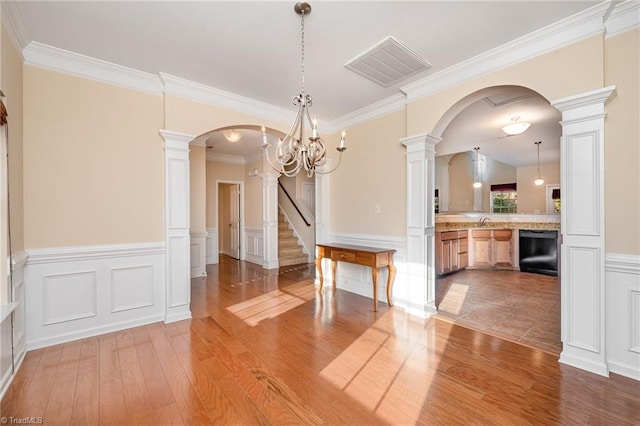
451	251
491	248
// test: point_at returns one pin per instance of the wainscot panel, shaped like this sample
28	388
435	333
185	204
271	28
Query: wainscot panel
76	292
254	245
623	314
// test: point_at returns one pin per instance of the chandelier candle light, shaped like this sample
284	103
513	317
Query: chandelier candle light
294	153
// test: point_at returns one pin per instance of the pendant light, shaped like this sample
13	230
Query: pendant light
477	171
539	181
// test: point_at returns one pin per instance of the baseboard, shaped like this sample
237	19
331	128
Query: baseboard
64	338
625	370
583	364
177	317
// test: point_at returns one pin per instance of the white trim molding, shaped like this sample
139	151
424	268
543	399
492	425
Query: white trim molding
177	86
14	24
78	292
226	158
625	16
386	106
552	37
65	61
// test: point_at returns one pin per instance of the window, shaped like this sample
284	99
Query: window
504	198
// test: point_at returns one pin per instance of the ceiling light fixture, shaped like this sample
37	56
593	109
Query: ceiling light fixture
516	127
477	170
232	136
539	181
294	153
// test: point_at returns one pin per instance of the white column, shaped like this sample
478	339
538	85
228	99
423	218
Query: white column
583	230
322	203
421	223
270	219
176	178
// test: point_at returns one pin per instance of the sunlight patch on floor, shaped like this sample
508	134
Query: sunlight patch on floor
453	301
383	368
273	303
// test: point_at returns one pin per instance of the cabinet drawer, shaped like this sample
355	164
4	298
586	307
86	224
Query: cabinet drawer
368	259
451	235
347	256
481	234
503	234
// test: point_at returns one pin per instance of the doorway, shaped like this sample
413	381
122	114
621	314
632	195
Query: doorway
230	218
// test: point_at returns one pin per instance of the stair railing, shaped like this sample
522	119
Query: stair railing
294	203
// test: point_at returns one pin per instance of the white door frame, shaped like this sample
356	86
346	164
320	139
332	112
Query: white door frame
243	251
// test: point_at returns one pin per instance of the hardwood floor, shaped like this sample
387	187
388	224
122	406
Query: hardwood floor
517	306
265	348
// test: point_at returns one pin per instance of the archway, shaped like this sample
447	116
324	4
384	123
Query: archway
582	218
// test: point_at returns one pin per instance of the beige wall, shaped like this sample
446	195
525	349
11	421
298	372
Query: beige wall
530	196
93	162
219	171
567	71
253	195
11	81
372	172
461	183
198	184
622	149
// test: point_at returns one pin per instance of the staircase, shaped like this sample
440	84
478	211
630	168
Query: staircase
289	251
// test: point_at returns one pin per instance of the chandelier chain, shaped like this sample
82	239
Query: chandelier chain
302	50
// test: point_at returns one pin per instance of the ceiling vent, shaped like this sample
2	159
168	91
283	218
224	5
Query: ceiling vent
388	62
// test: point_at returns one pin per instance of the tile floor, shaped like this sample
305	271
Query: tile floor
516	306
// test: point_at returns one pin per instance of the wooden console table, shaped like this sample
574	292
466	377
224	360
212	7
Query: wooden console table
366	256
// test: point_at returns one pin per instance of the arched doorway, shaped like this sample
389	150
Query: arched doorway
582	229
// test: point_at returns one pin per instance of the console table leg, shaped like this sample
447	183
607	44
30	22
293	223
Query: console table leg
319	269
334	268
374	275
392	275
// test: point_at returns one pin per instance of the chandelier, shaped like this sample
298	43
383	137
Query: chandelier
293	152
477	170
539	181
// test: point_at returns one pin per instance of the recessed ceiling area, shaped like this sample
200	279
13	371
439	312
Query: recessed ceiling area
480	125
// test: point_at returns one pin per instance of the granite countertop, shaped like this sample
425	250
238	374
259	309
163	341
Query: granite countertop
454	222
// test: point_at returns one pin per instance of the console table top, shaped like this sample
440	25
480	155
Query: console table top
354	247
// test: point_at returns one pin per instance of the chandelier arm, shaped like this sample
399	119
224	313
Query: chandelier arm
266	154
333	169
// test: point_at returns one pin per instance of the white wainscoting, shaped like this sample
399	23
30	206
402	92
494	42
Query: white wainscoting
211	249
198	248
10	357
76	292
254	244
623	314
358	279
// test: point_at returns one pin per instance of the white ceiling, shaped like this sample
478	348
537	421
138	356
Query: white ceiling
252	48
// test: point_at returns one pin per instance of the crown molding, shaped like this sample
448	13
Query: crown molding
386	106
562	33
13	23
226	158
625	16
177	86
55	59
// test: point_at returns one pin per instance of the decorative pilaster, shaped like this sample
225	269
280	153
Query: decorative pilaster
176	175
583	230
421	223
270	219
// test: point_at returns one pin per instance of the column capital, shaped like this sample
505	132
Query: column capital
594	97
420	142
269	177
